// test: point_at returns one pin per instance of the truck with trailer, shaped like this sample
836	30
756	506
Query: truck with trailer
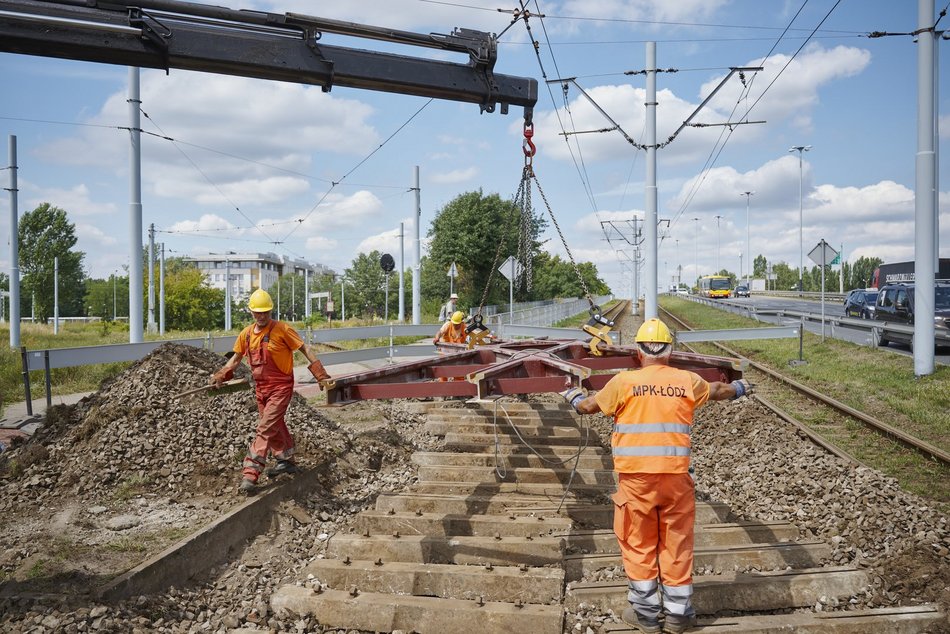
898	272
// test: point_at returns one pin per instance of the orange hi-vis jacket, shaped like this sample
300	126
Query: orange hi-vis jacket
453	333
653	417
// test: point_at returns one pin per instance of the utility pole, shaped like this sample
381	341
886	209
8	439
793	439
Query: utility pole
402	268
416	253
14	252
718	268
801	240
55	295
748	244
227	294
151	277
925	211
696	249
161	292
650	215
135	209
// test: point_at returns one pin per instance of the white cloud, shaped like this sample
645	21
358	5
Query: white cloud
455	176
791	99
76	201
207	222
219	121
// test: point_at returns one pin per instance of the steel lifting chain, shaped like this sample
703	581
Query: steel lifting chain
525	179
570	256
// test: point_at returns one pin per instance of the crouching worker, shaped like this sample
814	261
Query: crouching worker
655	505
452	331
269	346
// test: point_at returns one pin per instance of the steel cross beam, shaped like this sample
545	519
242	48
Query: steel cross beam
284	47
511	367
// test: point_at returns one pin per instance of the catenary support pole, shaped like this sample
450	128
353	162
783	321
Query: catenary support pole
924	212
56	295
402	269
416	252
161	290
135	209
14	252
227	294
306	292
649	236
151	277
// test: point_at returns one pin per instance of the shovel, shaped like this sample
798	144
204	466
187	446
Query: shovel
234	385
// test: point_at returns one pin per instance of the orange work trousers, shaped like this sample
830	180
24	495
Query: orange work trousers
272	435
653	520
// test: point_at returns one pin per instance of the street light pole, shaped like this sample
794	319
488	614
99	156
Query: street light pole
748	246
718	268
801	241
696	248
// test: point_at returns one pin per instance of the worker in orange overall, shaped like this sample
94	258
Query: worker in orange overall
655	505
452	331
269	346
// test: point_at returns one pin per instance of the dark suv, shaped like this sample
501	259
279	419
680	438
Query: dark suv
860	303
895	304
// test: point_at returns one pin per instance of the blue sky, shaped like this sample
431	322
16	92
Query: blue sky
251	152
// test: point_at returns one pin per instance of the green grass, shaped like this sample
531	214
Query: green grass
879	383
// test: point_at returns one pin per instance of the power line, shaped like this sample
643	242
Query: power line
355	167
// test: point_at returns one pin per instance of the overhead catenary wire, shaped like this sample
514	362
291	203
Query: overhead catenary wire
356	167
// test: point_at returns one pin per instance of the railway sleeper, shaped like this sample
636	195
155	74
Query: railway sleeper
586	460
743	592
900	620
728	534
527	429
383	612
518	474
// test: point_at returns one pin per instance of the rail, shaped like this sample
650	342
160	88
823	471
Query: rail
927	449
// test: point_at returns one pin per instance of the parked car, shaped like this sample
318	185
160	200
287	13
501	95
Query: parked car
742	291
895	304
860	303
682	291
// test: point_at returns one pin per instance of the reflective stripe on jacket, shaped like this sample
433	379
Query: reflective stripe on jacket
653	415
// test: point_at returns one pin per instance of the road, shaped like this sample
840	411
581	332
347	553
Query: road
833	308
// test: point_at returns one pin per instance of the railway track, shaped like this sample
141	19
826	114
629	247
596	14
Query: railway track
848	413
497	537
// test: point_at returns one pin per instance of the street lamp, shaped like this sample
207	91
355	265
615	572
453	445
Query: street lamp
718	268
748	246
696	248
801	242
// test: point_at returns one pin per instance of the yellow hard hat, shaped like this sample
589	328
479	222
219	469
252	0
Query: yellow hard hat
654	331
457	317
260	302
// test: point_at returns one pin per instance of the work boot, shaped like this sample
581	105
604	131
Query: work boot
649	626
677	624
247	486
283	466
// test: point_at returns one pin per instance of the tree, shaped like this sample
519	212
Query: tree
555	277
44	234
759	266
367	280
786	278
190	303
468	231
859	273
103	296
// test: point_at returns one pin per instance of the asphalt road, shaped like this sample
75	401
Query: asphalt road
833	308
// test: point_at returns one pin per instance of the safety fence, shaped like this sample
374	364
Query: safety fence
546	314
873	327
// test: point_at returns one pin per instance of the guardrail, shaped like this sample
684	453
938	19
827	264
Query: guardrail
873	327
837	297
545	315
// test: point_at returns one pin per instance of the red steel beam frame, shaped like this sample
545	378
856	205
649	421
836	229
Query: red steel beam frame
511	367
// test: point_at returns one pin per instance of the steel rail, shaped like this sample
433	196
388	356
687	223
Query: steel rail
925	448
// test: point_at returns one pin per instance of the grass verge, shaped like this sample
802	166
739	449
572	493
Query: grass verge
877	382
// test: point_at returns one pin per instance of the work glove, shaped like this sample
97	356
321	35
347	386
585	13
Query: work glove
320	374
574	396
743	388
221	376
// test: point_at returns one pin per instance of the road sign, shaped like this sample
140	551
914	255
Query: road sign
511	268
453	270
837	259
823	253
387	263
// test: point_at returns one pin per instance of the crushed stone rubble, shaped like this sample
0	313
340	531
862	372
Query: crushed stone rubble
744	456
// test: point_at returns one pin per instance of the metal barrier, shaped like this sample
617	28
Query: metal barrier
545	315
